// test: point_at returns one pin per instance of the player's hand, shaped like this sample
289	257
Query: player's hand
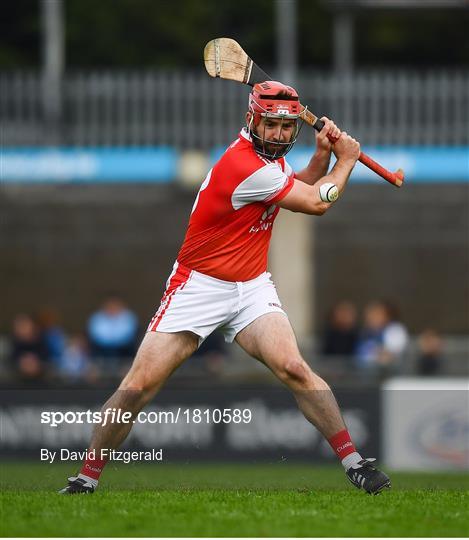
346	147
323	142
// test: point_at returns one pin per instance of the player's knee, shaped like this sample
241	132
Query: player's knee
134	396
296	371
137	384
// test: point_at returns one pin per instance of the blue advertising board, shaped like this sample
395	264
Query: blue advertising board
160	164
420	163
31	165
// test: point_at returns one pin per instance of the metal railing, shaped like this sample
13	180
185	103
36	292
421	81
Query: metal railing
190	110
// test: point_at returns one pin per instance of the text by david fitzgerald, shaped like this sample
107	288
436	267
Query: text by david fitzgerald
108	454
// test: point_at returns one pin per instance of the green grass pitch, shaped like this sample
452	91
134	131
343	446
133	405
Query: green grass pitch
229	500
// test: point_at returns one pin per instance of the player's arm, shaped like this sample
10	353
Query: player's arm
306	198
319	164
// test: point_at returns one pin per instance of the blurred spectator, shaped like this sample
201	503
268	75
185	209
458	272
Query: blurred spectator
341	332
113	330
53	335
28	351
383	339
430	353
75	364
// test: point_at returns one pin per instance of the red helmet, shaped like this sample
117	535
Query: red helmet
272	99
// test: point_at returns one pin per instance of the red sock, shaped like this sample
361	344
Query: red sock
342	444
93	467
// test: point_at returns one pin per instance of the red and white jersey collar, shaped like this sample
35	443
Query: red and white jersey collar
244	134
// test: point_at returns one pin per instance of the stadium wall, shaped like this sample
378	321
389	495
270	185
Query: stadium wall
410	423
67	245
276	430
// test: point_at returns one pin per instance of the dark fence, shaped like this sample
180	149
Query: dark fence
191	110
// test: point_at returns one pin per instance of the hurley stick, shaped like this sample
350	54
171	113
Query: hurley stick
225	58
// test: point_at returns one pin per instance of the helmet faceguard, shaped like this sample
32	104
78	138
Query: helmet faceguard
272	99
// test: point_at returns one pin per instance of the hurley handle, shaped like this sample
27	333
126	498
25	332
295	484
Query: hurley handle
395	178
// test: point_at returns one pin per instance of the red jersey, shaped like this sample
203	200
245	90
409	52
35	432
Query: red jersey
231	221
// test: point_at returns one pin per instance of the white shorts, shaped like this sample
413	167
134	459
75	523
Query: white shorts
199	303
